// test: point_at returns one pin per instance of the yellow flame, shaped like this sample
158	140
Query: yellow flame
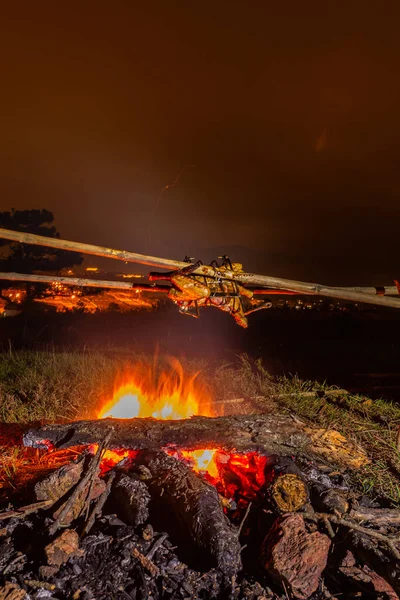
168	395
203	461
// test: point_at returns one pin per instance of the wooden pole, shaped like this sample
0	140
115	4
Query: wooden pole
317	289
389	290
246	278
41	240
123	285
79	282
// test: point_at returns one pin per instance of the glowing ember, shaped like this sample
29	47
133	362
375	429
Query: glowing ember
202	461
165	395
113	457
231	473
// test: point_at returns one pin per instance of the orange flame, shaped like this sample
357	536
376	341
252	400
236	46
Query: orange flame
203	461
169	394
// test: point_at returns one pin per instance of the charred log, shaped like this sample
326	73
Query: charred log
57	484
333	500
130	499
190	505
368	552
267	434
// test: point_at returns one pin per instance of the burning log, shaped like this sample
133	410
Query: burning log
266	434
193	505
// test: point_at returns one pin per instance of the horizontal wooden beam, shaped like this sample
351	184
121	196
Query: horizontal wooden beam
79	282
41	240
250	279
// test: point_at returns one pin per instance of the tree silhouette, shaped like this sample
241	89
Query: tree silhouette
27	258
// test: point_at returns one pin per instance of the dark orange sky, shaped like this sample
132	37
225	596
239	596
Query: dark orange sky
285	118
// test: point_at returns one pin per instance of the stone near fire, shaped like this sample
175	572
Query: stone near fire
63	547
294	556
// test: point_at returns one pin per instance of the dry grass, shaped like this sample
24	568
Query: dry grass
49	386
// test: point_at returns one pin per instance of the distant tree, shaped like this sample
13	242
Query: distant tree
27	258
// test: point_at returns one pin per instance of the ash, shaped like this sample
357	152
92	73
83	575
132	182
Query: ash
109	567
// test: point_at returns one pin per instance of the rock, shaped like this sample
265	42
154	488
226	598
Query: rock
63	547
294	556
80	501
57	484
46	572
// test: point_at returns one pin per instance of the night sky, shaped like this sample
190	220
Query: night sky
279	123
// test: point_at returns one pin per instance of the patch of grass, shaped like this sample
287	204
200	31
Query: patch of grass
52	386
373	424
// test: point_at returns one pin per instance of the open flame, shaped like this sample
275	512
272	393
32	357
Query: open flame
166	394
170	394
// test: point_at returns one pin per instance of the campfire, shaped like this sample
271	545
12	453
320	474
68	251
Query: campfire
170	495
172	396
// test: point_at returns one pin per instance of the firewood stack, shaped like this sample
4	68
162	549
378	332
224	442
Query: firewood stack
90	531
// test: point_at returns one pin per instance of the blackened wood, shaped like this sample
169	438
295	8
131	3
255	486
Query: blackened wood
98	507
333	500
191	506
368	552
130	499
267	434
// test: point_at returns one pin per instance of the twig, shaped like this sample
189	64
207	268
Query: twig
398	439
25	510
146	562
35	584
97	459
99	504
90	473
329	528
346	523
14	561
157	544
246	514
